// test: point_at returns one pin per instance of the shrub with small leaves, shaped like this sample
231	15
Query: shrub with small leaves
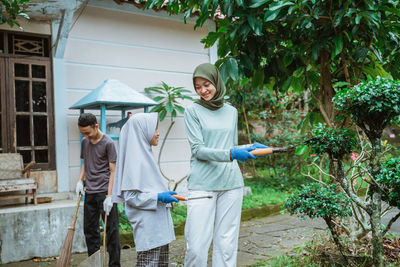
336	143
389	179
372	104
316	200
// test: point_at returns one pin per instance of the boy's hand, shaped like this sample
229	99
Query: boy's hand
107	205
79	188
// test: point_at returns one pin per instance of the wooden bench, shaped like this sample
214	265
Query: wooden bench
15	177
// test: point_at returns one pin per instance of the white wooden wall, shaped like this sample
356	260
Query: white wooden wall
140	51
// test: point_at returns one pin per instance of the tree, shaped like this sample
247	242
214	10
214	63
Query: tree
318	47
10	10
321	201
301	44
167	98
372	105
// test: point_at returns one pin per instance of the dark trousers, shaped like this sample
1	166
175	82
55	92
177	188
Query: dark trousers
93	208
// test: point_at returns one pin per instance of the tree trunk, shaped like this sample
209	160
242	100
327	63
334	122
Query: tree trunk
376	207
305	97
253	164
161	150
377	231
326	89
336	240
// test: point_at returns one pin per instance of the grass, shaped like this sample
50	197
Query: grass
303	259
288	261
321	251
260	196
262	202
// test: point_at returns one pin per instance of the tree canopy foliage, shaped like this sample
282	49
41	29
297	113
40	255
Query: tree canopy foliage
10	10
301	44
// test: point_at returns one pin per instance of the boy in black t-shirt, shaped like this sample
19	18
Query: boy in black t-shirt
99	157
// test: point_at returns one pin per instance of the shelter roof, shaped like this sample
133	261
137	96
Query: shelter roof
115	95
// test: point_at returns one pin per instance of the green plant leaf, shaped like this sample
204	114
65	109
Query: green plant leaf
338	45
301	149
271	15
240	3
287	59
180	109
255	24
340	84
257	3
162	114
229	68
258	78
169	107
358	18
158	98
279	5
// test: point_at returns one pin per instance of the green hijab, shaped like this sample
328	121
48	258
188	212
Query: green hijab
210	72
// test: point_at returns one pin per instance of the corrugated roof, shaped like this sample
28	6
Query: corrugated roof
114	95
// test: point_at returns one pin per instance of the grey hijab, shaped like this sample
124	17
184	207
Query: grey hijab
210	72
137	168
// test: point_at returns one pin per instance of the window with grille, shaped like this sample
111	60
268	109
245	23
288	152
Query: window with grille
27	124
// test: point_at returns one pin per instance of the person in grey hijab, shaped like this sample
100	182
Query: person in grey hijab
139	185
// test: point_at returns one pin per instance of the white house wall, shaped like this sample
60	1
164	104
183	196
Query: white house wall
140	51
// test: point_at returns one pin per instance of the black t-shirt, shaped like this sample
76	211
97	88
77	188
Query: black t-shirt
96	158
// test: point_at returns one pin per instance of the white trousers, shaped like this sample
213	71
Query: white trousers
214	219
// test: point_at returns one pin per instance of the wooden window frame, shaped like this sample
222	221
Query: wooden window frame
8	107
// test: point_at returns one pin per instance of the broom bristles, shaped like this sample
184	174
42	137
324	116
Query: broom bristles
66	251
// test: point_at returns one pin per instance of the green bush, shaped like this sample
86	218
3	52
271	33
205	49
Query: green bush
371	104
124	224
334	142
178	214
318	201
389	179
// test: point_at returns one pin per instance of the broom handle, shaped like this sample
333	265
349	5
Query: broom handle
73	220
104	239
78	204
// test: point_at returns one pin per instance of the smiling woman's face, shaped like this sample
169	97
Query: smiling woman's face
204	88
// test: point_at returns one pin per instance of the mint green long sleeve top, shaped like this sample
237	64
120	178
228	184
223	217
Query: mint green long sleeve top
211	135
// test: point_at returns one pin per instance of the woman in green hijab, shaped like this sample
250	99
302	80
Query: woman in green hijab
211	127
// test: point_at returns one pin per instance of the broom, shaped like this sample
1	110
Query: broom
66	250
104	240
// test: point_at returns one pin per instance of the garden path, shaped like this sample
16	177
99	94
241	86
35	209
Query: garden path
259	239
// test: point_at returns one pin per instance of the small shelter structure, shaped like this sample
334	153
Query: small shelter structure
113	95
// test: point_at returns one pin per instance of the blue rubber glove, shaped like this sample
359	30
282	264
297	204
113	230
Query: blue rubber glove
258	145
242	154
166	197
